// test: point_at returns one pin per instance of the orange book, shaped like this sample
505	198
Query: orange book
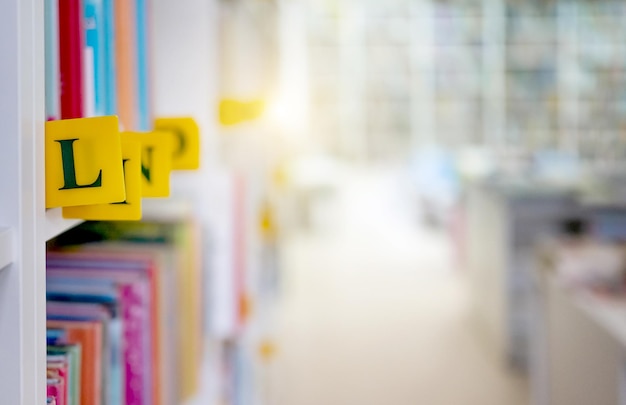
88	334
126	60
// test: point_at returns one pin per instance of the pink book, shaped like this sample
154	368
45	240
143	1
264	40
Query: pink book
56	390
58	370
135	340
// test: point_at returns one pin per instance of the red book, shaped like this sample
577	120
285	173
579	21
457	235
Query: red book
71	45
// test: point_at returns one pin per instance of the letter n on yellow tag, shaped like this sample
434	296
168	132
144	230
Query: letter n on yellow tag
130	208
186	155
83	162
156	161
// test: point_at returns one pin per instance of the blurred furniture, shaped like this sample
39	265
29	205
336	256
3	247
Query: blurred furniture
578	351
504	221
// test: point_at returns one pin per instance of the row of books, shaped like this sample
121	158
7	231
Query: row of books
96	54
124	316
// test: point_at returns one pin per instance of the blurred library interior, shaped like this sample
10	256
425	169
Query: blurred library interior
316	202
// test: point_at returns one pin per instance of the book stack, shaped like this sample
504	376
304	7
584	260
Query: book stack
124	314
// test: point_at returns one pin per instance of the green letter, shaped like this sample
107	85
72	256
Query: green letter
124	168
145	170
182	145
69	171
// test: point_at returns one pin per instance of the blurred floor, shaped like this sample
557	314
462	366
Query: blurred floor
375	314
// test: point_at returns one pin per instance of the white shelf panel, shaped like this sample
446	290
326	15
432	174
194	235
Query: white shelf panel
56	224
6	247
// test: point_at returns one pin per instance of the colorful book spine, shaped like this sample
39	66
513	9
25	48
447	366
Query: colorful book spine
144	119
89	312
145	279
54	390
59	372
71	47
73	357
110	57
95	73
134	345
117	389
89	336
126	63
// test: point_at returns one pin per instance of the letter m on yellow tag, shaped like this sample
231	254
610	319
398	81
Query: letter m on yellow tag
83	162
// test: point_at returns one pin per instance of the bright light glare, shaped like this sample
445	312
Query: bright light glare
287	113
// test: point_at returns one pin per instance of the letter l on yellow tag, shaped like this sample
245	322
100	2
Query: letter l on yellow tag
83	162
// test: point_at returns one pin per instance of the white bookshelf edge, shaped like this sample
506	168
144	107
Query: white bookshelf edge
56	224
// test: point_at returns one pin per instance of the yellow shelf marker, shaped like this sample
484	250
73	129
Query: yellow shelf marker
83	162
130	208
186	153
156	161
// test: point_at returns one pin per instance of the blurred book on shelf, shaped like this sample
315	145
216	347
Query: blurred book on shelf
126	296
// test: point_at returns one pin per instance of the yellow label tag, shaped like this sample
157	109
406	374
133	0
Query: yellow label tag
186	154
129	209
83	162
156	161
233	112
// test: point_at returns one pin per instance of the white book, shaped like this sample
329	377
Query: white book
89	82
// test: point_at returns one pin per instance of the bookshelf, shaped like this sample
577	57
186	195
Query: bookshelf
22	283
508	75
184	27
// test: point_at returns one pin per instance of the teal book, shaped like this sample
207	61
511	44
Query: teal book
143	72
95	72
109	55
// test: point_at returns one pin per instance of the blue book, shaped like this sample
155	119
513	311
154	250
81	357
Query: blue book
55	336
110	75
95	74
143	73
